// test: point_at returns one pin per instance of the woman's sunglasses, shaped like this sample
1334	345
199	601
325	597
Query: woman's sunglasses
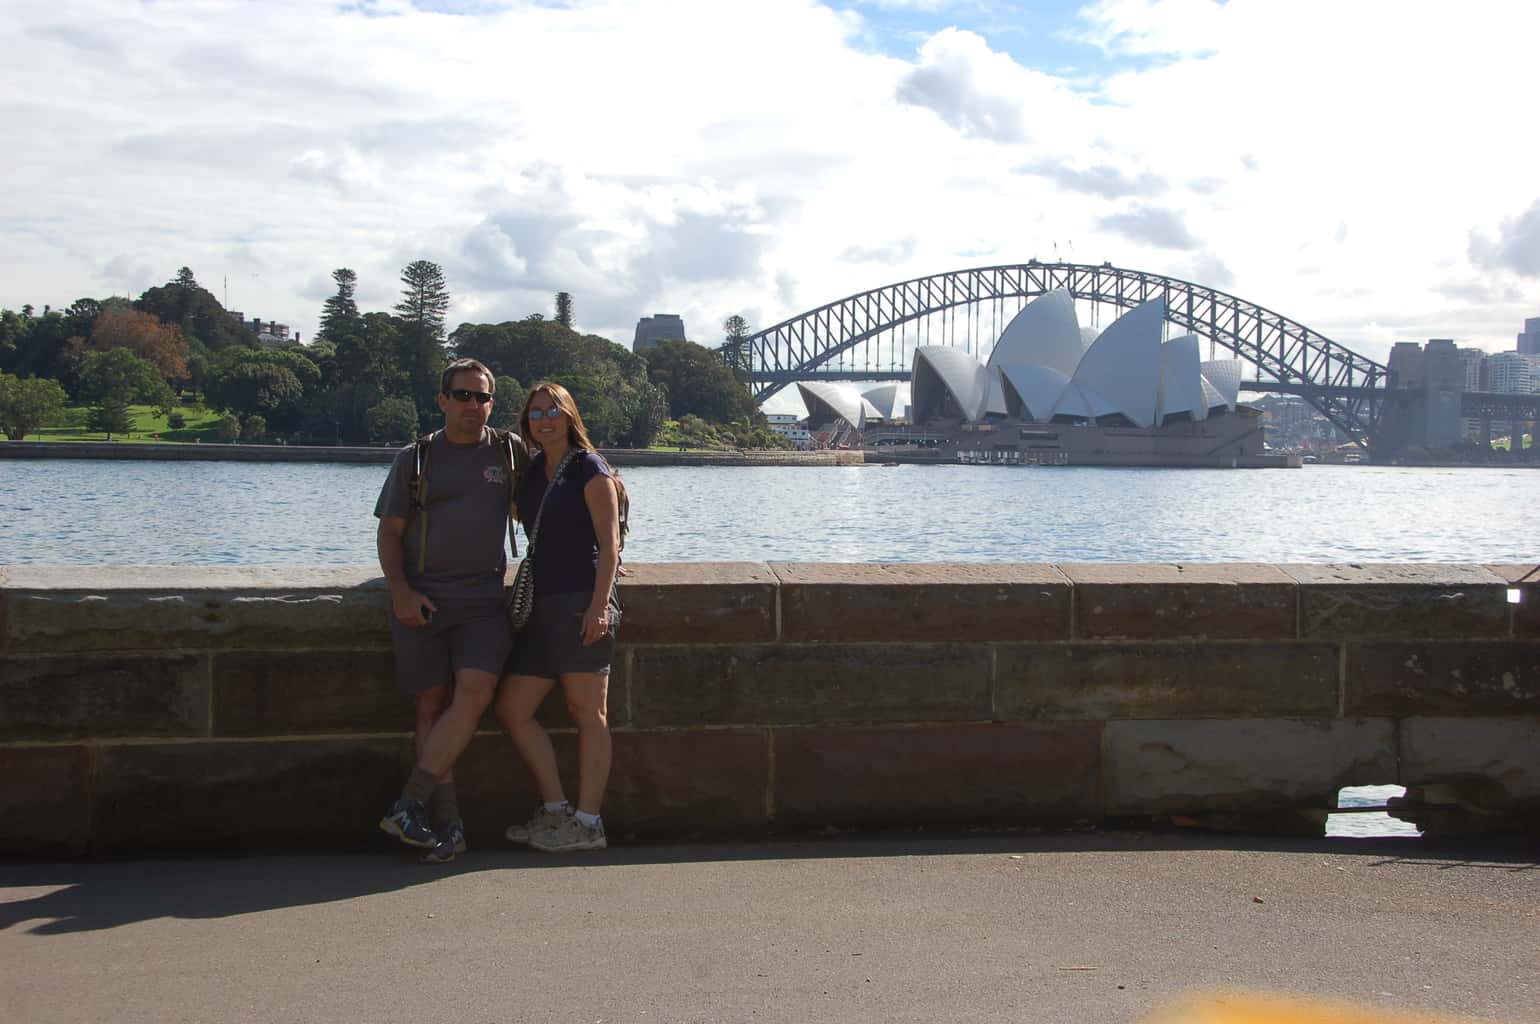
464	395
544	414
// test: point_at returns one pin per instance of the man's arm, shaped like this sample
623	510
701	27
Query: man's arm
408	606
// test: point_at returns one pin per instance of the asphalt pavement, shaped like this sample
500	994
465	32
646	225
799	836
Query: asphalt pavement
989	927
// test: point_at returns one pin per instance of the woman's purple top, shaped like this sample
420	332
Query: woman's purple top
567	552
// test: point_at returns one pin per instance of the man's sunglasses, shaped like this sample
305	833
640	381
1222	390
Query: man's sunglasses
544	414
464	395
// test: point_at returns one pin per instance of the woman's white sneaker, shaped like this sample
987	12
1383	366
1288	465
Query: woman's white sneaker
569	835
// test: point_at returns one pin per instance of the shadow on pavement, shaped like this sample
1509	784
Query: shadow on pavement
103	894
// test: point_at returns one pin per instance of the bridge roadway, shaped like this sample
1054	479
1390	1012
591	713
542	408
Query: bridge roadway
1051	927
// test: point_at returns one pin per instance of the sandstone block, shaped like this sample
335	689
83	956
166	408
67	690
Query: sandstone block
962	774
45	797
1358	602
220	791
691	781
1491	763
1212	680
276	693
1170	602
795	684
1494	677
1169	767
697	603
907	603
81	609
1526	580
110	695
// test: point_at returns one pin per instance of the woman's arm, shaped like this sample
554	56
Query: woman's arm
604	509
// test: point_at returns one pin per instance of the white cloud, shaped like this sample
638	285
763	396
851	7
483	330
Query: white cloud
707	158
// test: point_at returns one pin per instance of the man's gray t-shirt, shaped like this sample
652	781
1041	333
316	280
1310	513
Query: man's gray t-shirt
467	505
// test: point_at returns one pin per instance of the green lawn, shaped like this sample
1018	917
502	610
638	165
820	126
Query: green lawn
147	423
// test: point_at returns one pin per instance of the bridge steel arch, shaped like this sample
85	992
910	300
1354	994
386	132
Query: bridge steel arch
1344	386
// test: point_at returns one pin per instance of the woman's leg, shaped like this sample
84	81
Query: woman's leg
516	706
587	699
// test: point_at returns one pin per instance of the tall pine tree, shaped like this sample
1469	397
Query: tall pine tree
423	307
564	309
339	315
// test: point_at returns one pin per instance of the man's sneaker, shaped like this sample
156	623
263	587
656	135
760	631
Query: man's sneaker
538	822
569	834
408	822
451	842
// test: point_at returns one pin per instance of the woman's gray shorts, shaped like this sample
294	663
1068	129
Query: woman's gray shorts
551	642
473	634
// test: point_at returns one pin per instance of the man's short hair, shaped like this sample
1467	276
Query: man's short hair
460	365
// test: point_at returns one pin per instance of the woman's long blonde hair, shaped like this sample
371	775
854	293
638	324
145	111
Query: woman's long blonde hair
577	434
577	437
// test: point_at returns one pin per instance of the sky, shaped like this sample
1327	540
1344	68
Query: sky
1370	169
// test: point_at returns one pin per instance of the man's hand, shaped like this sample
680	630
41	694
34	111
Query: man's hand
410	607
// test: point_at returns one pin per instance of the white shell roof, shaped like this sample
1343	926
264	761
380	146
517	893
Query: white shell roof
1038	387
1081	401
1045	333
1122	364
890	400
965	379
1181	385
842	399
1225	375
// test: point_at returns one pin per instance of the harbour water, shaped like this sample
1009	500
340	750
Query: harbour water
203	513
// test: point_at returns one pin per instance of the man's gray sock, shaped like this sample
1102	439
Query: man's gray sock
443	807
420	786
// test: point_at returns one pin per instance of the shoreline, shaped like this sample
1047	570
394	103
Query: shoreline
624	458
621	458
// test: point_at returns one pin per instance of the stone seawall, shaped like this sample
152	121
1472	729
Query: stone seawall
142	708
383	454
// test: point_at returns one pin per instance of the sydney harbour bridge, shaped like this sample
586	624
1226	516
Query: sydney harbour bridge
873	335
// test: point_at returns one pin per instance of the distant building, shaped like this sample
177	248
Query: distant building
659	327
1510	373
1529	341
785	424
270	333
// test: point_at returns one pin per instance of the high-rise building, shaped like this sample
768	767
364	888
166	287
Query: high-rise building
1529	341
1510	373
659	327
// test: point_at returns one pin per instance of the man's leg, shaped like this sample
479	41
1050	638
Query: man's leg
446	739
443	807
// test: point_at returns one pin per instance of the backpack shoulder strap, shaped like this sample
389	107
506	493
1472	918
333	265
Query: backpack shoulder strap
421	448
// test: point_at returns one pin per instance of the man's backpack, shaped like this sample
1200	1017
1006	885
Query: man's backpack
511	450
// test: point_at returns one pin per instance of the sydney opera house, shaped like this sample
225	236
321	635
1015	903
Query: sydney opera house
1054	393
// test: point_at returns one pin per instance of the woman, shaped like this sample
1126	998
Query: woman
570	636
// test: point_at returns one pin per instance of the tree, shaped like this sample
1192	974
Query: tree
509	403
182	301
110	416
735	347
26	404
339	315
564	309
144	336
698	382
227	429
270	383
253	428
394	419
645	411
119	377
422	309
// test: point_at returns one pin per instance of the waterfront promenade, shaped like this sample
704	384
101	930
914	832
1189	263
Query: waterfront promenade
1025	926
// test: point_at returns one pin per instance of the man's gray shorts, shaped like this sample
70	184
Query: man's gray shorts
473	635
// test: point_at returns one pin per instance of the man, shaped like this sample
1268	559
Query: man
443	513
